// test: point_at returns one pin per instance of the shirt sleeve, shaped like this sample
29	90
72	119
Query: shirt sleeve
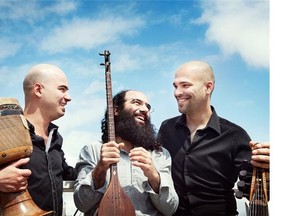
85	195
167	200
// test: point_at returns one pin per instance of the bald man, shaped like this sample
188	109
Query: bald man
46	95
206	150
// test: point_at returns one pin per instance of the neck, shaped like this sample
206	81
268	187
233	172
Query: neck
198	120
40	124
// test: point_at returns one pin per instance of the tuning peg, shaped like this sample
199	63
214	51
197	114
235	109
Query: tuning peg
243	189
242	185
240	194
245	175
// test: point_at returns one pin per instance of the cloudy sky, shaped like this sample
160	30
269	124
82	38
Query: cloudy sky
147	40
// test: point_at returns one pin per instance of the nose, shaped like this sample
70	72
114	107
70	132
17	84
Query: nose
177	92
143	108
67	97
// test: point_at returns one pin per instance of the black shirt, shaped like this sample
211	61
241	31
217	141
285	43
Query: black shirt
205	171
49	169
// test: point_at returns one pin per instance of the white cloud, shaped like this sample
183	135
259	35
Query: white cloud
239	26
94	87
62	7
8	48
87	33
28	11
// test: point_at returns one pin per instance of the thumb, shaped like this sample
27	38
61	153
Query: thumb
20	162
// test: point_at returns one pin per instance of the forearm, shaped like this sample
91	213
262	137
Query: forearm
99	176
154	182
166	201
86	198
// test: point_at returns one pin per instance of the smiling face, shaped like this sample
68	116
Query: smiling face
193	85
46	91
132	121
136	103
55	94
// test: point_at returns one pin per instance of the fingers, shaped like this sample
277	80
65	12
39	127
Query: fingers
140	157
258	145
260	154
260	165
262	148
110	153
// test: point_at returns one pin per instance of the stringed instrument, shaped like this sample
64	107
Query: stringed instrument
254	185
258	199
115	201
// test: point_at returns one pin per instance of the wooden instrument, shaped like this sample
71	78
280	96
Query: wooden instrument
258	199
15	143
15	140
114	202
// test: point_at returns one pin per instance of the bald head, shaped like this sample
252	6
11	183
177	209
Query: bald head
46	93
199	68
41	73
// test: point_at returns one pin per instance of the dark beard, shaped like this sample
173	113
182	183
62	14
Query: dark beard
139	135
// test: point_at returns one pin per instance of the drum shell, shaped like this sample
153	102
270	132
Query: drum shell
15	140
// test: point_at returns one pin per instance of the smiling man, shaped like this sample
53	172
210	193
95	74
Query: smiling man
206	150
143	166
46	92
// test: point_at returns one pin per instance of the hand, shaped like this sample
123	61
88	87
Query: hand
142	158
260	154
14	179
110	154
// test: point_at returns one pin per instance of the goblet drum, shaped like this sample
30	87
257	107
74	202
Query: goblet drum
15	143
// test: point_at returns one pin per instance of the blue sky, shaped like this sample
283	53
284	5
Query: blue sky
147	40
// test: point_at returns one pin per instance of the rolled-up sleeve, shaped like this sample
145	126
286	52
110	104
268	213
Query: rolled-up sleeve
167	200
85	195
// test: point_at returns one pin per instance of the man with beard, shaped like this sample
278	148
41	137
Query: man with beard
144	168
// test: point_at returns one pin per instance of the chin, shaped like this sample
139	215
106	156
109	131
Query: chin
140	122
181	110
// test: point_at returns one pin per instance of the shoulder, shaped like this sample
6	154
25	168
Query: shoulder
163	153
171	121
231	127
91	148
229	124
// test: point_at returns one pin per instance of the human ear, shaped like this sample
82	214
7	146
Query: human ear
209	87
38	89
116	111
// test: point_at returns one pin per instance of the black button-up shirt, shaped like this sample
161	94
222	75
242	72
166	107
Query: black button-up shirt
49	169
205	171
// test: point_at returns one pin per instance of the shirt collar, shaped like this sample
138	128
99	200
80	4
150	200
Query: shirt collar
50	127
213	123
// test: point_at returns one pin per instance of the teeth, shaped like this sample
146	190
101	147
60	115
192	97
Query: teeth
140	118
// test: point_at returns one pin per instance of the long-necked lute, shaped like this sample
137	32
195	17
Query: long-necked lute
115	201
258	200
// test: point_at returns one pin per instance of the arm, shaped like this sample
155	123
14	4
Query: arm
69	172
110	154
12	178
157	168
142	158
92	166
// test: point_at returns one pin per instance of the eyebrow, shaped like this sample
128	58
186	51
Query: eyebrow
64	86
139	100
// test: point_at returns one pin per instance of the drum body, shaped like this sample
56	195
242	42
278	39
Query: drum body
15	143
15	140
